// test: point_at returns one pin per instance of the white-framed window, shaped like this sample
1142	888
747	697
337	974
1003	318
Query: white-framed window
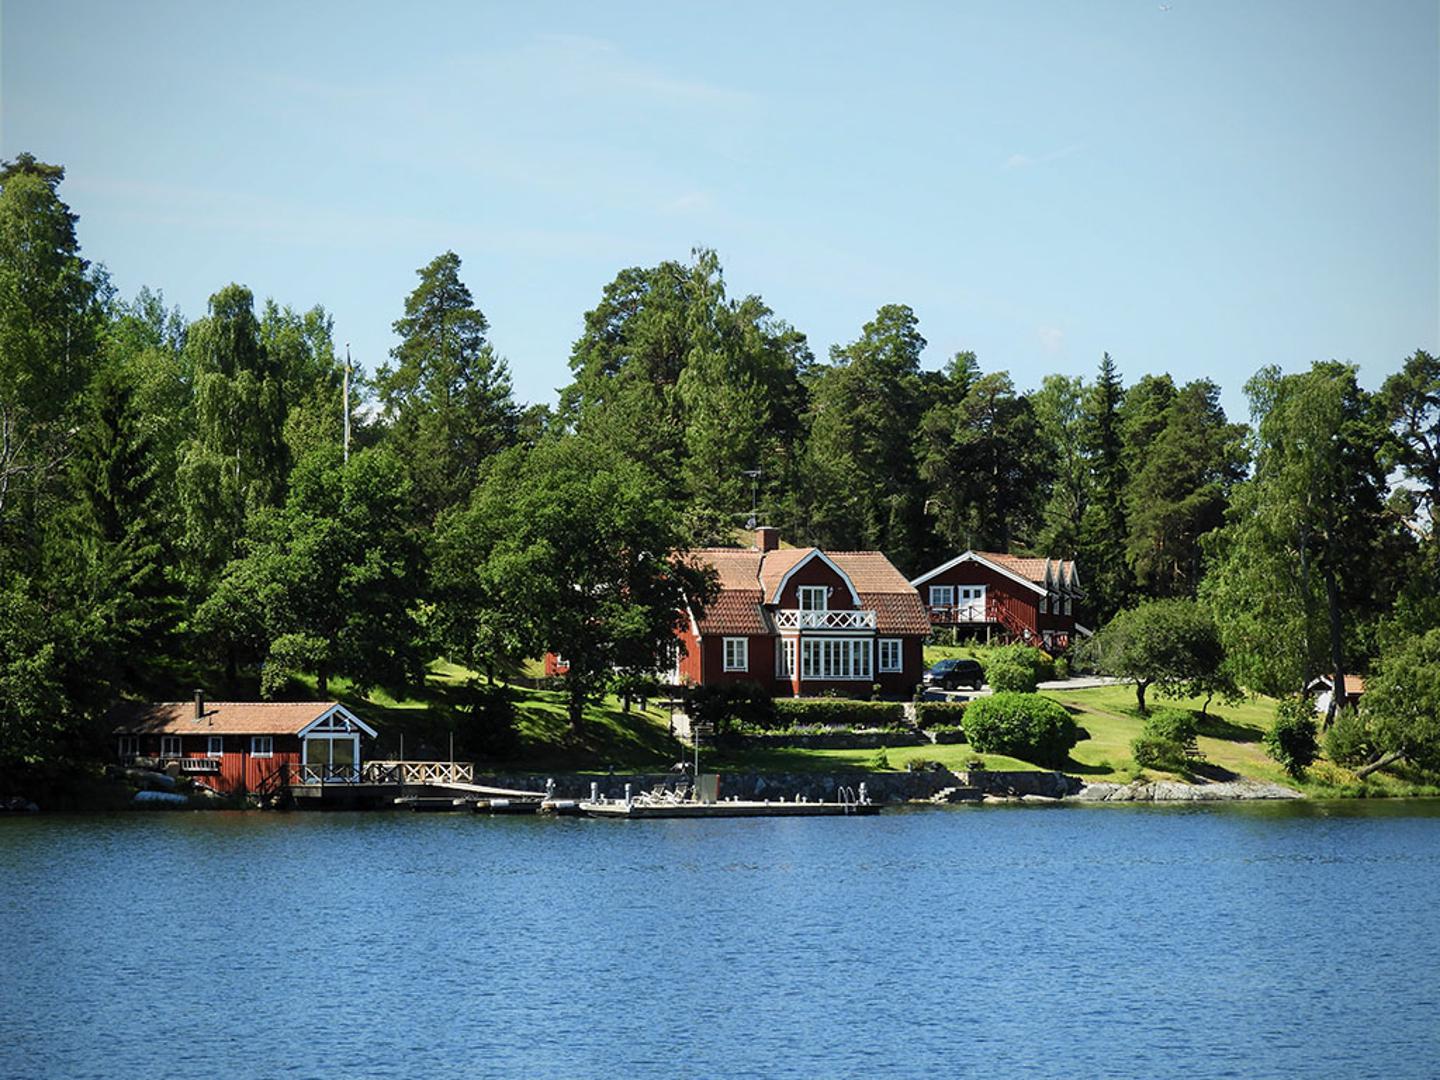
262	746
169	745
785	658
890	654
1067	606
835	658
942	595
129	746
737	654
814	597
1045	604
215	746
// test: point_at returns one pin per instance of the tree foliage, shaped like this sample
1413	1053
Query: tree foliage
1173	645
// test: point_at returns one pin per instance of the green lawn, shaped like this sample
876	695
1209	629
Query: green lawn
1230	740
426	718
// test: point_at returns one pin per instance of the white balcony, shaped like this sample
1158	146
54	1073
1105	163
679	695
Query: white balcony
798	619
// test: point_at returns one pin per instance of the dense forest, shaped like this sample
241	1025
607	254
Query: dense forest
178	506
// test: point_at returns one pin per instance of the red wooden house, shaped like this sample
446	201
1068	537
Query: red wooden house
985	593
805	621
235	746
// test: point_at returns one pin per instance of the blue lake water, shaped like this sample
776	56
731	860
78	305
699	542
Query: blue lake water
1230	940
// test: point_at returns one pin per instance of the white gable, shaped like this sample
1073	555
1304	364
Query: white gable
337	720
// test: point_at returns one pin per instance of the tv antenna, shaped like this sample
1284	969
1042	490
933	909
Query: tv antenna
754	475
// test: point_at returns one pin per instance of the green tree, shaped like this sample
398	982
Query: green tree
1059	412
1179	488
863	490
1401	705
235	460
50	314
448	395
1109	583
986	466
1298	559
1411	400
584	563
329	583
1172	645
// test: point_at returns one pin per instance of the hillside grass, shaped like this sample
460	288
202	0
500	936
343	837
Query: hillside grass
1230	738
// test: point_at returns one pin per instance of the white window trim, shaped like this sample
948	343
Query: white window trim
257	740
1067	606
942	595
171	740
837	659
896	662
741	645
823	591
214	746
785	658
129	746
1045	604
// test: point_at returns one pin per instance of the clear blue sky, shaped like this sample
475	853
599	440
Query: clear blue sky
1200	188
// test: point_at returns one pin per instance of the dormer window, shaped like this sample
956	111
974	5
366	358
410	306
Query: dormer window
814	597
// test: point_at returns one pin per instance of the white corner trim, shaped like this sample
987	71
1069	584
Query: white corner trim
346	713
973	556
815	553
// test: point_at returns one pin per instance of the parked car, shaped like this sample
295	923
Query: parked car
953	674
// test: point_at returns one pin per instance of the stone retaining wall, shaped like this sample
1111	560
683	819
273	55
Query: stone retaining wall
835	740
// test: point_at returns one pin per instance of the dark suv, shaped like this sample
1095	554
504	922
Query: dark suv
953	674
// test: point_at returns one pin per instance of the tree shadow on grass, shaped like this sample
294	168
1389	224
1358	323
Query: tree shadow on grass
1217	727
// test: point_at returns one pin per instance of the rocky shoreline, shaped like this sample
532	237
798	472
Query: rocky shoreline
1175	791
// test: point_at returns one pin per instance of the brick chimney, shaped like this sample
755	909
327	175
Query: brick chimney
767	538
199	705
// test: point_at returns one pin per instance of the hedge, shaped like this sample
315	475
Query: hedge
1025	726
796	711
928	714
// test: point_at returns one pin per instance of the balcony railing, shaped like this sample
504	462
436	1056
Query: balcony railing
973	612
797	619
200	764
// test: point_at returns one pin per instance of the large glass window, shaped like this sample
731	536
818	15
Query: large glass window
169	745
785	658
835	658
942	595
262	746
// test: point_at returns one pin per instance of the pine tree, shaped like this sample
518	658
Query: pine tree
448	396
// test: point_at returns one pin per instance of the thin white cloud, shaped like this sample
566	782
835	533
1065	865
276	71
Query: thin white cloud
1026	161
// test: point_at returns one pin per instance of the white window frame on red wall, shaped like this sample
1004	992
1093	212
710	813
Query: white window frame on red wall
737	654
785	658
170	746
942	595
262	746
837	659
891	658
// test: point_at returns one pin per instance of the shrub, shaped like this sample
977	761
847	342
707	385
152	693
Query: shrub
931	714
1010	673
1026	726
1163	742
489	726
1292	740
881	761
1062	667
792	711
1348	742
730	706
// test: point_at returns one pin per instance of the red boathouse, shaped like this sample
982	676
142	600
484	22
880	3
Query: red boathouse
236	746
1017	597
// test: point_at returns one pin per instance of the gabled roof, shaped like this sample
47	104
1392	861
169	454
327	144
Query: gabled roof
750	579
1035	573
1354	684
229	717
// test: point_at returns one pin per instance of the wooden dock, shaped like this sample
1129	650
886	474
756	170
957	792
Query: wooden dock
634	809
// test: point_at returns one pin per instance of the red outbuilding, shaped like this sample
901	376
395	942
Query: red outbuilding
235	746
1017	597
804	621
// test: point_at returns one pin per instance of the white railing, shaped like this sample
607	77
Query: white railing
326	774
971	611
797	619
426	772
200	764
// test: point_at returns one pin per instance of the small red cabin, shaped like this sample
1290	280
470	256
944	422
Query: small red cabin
235	746
983	593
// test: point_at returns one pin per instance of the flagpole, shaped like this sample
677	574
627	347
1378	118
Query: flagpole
347	401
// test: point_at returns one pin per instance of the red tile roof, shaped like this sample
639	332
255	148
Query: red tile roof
221	717
748	576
